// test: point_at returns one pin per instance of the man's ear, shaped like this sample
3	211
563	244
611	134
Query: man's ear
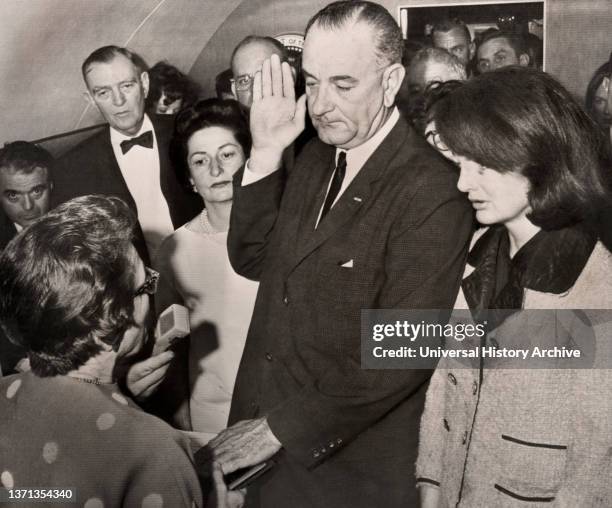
233	87
144	79
524	60
471	50
88	98
392	81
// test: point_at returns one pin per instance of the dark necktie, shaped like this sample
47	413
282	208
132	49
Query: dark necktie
336	183
145	139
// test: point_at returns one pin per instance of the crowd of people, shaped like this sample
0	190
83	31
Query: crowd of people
371	175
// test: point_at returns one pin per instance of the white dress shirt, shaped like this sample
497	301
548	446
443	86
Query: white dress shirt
140	168
355	158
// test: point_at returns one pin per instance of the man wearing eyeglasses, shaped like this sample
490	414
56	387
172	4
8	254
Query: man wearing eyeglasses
247	58
370	217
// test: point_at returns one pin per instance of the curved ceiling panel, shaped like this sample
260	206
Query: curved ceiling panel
44	42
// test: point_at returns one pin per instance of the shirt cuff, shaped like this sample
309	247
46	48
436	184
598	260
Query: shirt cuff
249	177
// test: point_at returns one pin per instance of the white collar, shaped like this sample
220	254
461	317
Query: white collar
357	157
117	137
18	227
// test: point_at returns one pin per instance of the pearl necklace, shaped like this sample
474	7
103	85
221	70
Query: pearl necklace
205	223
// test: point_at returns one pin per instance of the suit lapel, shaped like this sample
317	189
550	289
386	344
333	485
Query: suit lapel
108	160
352	199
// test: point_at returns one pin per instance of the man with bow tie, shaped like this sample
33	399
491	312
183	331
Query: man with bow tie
129	159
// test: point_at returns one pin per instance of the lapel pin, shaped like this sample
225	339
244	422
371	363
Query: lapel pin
358	199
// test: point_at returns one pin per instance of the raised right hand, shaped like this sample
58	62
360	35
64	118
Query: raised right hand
276	118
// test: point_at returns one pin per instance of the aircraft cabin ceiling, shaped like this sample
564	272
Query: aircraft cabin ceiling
44	42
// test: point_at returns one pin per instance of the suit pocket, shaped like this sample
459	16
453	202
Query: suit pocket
531	470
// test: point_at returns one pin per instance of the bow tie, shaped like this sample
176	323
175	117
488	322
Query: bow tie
145	139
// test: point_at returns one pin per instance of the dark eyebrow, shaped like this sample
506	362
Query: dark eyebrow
501	50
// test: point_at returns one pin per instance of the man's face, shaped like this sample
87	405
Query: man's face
25	196
247	61
497	53
456	43
344	84
424	73
119	91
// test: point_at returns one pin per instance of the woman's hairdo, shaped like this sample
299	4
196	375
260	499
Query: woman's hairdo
213	112
521	119
68	278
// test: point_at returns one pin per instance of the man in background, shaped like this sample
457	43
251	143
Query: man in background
25	187
499	49
246	60
453	36
129	158
25	195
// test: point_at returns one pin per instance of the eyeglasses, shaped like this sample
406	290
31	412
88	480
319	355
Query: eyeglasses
243	82
149	286
434	139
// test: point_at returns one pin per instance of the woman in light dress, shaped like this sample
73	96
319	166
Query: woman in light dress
210	144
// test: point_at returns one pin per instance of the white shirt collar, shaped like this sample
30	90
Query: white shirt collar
18	227
117	137
357	157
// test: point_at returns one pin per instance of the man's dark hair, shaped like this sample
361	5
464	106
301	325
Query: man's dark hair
25	157
389	44
515	40
223	84
213	112
260	39
106	54
520	119
448	24
167	79
69	278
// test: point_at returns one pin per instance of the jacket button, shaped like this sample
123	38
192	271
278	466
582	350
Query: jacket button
331	444
268	357
286	300
316	454
464	440
446	425
323	449
452	378
474	388
338	441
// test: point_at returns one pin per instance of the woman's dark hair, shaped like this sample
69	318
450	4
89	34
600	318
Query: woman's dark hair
167	79
602	72
521	119
67	279
206	113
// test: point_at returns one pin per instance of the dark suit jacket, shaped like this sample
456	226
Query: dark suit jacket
10	353
349	435
7	230
91	168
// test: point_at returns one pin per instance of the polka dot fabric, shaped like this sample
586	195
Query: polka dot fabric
60	432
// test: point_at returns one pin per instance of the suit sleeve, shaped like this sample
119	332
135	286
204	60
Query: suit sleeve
424	260
255	208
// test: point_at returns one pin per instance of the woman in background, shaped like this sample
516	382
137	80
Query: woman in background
493	435
170	90
210	144
598	99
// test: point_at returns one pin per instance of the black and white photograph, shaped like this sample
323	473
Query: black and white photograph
306	253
